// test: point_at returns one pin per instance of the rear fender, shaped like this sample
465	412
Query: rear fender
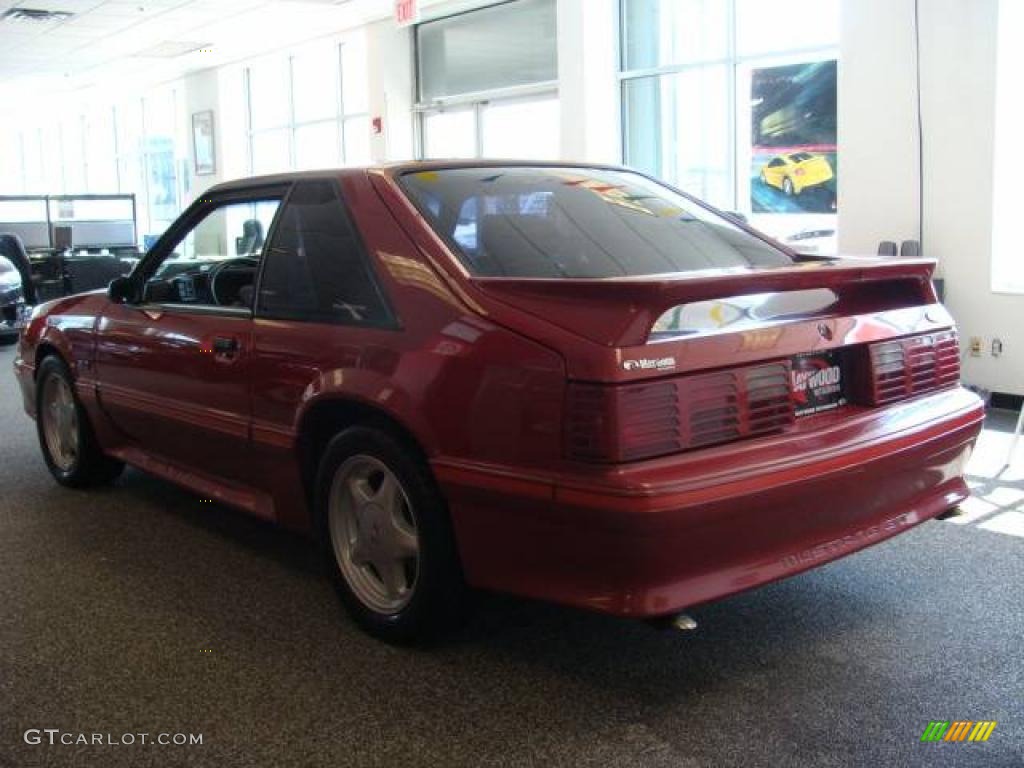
369	389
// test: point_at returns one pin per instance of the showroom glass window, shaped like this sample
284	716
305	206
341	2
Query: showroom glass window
137	145
307	109
714	90
162	115
151	150
488	82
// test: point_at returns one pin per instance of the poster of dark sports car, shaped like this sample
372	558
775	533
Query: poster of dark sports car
793	138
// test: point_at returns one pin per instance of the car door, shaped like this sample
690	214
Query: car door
172	365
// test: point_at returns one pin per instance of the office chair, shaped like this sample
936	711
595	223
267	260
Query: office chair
910	248
251	240
887	248
12	247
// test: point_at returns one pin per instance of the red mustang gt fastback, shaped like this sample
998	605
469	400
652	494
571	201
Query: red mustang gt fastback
566	382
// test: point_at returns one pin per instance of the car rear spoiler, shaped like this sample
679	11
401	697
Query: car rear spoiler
621	311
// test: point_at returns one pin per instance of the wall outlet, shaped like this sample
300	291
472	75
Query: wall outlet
975	346
997	347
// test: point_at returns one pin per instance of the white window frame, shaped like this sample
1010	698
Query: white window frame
341	116
477	102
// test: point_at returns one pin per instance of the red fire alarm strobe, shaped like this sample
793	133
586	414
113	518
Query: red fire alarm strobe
406	12
378	125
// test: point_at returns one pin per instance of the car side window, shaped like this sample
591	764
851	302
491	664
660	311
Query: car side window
316	268
216	261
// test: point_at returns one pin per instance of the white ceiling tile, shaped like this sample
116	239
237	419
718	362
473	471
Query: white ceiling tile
64	35
97	21
74	6
105	37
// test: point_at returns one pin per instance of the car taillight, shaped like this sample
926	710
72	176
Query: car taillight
913	366
799	171
630	422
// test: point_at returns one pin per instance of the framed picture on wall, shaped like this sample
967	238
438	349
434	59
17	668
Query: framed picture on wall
202	143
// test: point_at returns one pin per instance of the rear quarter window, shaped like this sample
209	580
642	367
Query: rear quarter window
316	268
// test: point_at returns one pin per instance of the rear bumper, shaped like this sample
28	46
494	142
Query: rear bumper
661	536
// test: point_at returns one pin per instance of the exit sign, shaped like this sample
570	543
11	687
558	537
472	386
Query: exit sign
407	12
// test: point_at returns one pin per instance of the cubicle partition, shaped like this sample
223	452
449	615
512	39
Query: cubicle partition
96	221
29	219
74	242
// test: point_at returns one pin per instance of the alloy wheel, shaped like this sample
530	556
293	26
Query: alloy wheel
60	422
374	534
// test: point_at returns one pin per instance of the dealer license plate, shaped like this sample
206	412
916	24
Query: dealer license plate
817	382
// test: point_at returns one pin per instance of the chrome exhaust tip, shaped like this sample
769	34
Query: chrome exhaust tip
683	622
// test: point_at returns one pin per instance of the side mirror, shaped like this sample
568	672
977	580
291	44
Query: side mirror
121	290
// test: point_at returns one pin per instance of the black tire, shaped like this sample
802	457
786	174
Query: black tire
438	599
90	466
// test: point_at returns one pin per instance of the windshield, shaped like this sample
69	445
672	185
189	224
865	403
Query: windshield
577	222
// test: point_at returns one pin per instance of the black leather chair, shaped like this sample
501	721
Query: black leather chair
251	240
910	248
887	248
13	249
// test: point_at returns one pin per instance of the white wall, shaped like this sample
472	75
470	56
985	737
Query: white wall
391	83
587	80
1007	273
878	192
959	97
877	132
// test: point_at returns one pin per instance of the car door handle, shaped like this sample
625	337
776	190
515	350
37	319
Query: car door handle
225	346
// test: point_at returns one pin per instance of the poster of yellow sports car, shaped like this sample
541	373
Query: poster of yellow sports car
793	152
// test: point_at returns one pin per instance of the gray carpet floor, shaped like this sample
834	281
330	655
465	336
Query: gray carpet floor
141	609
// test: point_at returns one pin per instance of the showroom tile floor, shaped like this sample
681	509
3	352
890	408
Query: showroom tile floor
140	609
997	503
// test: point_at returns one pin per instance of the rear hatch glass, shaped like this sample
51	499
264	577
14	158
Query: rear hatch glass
550	222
